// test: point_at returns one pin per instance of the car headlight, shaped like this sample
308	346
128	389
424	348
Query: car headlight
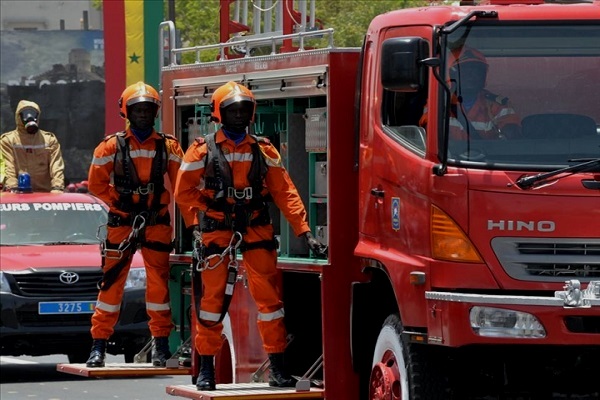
4	286
136	279
500	322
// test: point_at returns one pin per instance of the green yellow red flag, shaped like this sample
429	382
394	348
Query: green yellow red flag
130	50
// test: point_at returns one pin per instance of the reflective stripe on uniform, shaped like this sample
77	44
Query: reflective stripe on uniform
239	157
142	153
271	316
193	166
108	307
209	316
31	147
158	306
505	111
103	160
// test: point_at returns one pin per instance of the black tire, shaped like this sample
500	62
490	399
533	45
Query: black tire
406	371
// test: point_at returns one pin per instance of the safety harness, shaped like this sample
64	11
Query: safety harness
140	214
238	216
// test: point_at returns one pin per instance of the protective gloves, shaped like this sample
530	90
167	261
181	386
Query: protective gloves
313	244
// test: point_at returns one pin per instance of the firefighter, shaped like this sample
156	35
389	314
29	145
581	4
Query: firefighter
29	149
229	176
476	112
128	172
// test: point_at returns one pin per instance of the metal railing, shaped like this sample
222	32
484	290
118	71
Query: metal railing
237	44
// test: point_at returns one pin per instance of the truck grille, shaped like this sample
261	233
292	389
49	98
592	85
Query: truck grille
552	260
49	284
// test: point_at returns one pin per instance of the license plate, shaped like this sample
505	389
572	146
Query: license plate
66	307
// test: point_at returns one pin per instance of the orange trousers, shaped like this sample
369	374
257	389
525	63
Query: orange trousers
157	285
264	283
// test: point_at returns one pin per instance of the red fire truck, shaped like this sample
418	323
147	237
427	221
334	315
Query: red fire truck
458	265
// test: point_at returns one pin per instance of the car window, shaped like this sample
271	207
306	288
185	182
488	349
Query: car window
50	223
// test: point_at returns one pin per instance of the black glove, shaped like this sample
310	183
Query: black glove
313	244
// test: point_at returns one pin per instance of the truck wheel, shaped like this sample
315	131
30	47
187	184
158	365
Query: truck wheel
405	371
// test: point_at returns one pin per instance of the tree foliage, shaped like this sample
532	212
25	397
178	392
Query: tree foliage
198	21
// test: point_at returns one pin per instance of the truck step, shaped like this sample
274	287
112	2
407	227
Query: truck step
240	391
121	370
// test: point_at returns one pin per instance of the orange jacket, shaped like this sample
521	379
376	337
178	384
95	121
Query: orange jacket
190	191
488	115
142	154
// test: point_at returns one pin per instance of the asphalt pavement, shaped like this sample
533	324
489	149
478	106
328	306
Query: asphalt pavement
36	378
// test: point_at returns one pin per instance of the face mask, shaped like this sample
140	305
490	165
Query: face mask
29	117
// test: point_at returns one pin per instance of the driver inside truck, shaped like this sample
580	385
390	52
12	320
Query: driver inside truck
475	112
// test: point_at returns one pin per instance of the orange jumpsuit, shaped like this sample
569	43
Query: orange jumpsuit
38	154
264	278
156	262
488	115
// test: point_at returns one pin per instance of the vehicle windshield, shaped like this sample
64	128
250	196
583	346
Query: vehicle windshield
50	223
523	96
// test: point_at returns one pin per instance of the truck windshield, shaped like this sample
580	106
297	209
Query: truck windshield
523	96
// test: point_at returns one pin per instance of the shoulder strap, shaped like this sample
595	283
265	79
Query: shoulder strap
258	169
159	167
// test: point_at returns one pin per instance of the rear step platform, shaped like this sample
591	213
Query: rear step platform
121	370
241	391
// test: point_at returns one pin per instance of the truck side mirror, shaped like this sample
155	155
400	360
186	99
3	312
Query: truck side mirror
401	68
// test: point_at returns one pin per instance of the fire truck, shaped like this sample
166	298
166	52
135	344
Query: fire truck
457	267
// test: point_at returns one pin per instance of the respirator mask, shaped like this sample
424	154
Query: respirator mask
29	116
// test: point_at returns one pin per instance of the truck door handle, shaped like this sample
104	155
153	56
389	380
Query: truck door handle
587	183
377	192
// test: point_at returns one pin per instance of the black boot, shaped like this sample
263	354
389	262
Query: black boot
98	354
278	377
206	377
160	351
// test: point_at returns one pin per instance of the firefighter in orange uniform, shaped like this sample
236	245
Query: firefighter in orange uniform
128	173
32	150
229	177
476	112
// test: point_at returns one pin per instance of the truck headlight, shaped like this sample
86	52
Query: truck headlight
136	279
500	322
4	286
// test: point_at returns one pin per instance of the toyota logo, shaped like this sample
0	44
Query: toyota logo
68	278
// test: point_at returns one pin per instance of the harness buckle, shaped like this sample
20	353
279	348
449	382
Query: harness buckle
115	254
144	190
242	194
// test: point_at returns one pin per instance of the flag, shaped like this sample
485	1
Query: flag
130	50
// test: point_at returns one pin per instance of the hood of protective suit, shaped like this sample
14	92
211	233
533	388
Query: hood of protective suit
24	104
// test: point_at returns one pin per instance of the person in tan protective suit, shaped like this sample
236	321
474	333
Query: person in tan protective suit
32	150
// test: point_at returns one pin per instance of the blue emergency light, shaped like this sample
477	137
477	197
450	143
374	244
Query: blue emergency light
24	183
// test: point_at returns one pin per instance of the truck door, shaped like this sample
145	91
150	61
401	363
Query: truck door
398	170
